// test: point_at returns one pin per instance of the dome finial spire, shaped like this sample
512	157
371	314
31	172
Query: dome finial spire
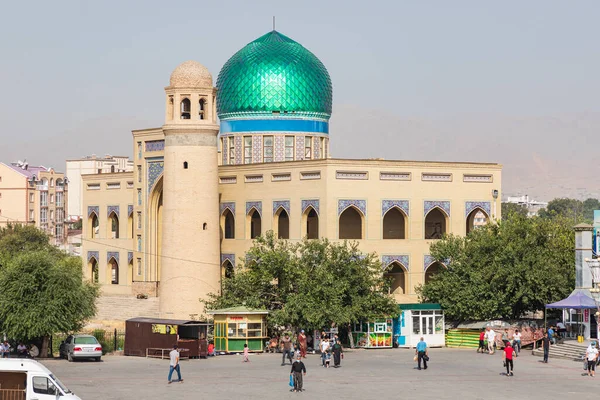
273	22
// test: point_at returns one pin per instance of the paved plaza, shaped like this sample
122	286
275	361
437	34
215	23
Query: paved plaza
365	374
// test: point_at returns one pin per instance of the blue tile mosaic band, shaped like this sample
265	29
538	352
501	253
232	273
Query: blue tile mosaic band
227	205
257	205
387	205
427	261
228	257
93	254
486	206
129	210
155	145
359	204
283	203
155	170
430	205
314	203
112	254
129	257
274	125
111	209
402	259
94	210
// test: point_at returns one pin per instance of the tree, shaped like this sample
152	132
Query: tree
589	205
509	209
15	239
310	284
503	270
42	291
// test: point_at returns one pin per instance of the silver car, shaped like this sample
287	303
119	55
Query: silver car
80	346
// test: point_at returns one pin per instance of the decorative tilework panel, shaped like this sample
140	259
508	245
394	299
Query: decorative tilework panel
254	204
472	205
224	152
387	205
326	150
284	203
93	254
228	257
299	147
402	259
155	170
93	210
112	254
360	204
257	147
317	147
239	159
129	257
427	261
279	148
110	209
314	203
129	209
430	205
227	205
155	145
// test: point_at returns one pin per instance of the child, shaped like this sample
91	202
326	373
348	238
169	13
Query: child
246	352
328	358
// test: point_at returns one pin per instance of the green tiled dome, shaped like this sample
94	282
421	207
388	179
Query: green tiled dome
274	73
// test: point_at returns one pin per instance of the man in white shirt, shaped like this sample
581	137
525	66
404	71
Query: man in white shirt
491	338
324	346
174	365
5	349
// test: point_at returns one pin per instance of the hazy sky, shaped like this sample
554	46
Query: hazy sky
78	75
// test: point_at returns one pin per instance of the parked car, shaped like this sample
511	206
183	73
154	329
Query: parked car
80	346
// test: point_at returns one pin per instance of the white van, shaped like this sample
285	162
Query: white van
24	379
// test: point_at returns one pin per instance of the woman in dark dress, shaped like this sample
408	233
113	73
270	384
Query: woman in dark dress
337	354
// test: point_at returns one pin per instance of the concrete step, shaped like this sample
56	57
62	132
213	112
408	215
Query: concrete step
566	351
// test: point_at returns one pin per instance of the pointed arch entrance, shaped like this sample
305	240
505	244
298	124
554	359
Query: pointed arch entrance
476	218
310	222
155	232
394	224
254	222
432	270
351	223
436	223
282	222
398	276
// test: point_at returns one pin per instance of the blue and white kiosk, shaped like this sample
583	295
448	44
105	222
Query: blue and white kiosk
420	320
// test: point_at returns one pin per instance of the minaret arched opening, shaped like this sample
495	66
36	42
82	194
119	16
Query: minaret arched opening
186	109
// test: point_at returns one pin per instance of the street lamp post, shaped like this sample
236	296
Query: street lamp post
594	265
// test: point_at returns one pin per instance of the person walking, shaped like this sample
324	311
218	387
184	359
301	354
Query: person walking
517	342
591	355
174	364
546	346
286	343
422	353
338	354
323	348
507	357
302	343
551	335
491	338
246	352
481	341
298	368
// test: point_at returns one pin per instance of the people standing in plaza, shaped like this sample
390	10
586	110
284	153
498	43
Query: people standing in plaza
546	346
491	338
507	357
286	343
517	342
323	348
5	349
481	342
246	352
298	369
591	355
302	343
174	364
422	353
338	353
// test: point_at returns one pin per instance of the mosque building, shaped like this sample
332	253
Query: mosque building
162	237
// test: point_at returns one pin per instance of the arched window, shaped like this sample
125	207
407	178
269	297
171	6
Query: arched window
435	224
432	270
94	226
186	109
114	271
229	224
227	270
112	168
350	224
113	226
397	275
394	224
201	108
94	270
312	223
51	182
475	219
130	226
255	224
170	108
185	165
283	224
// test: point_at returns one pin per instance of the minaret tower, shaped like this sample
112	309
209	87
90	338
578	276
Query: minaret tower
190	226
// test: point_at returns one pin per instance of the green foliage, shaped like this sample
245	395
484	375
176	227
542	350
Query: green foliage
77	224
15	239
310	284
510	209
503	270
575	210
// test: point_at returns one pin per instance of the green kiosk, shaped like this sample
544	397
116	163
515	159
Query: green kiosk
237	326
